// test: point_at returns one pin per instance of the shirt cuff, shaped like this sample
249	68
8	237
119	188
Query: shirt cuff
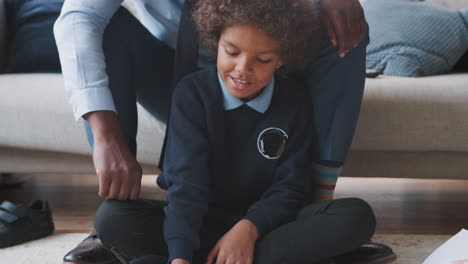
90	100
260	222
179	248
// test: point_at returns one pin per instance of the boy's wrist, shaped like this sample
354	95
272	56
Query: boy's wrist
179	261
250	227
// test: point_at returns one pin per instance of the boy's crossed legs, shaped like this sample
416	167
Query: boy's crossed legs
322	229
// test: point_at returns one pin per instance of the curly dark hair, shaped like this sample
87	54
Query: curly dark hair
293	23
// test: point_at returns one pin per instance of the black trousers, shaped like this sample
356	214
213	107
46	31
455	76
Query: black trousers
321	230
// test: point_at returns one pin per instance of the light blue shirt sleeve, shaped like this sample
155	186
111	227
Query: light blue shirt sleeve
79	34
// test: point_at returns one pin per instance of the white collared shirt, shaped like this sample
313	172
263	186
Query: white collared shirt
260	103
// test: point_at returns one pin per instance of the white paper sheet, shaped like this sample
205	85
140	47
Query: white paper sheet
454	251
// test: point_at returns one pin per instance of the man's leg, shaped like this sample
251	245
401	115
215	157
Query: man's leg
133	228
139	68
336	87
139	226
321	231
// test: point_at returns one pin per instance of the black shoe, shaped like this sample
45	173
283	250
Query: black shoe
91	251
21	223
370	253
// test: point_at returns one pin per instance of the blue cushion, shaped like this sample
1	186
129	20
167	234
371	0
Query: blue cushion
32	45
411	38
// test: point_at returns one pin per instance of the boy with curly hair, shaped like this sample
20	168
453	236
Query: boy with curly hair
238	158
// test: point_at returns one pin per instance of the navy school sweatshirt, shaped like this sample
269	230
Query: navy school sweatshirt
239	159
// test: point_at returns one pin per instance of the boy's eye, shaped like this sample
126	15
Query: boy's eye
263	60
231	53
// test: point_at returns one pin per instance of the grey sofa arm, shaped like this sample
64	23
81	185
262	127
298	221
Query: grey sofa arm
3	36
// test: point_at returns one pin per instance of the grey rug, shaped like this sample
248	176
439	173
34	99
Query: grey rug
411	249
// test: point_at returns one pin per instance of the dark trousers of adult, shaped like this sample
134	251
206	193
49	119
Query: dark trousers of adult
321	230
140	69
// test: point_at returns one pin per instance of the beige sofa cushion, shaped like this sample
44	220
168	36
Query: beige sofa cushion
398	114
35	115
414	114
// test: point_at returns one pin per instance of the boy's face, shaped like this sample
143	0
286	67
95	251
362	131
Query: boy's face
247	59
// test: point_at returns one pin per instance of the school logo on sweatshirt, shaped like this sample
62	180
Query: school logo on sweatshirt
272	142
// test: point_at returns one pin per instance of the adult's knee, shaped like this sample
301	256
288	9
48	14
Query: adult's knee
108	217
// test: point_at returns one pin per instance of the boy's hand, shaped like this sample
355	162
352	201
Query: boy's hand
179	261
344	22
236	246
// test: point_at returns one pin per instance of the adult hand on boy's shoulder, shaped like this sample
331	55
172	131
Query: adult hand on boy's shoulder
236	246
344	22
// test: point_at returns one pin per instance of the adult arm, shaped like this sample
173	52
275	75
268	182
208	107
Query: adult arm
186	172
344	22
79	34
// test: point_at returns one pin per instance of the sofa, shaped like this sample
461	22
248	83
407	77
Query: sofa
408	127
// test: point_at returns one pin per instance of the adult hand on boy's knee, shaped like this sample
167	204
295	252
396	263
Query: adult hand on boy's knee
118	170
344	22
236	246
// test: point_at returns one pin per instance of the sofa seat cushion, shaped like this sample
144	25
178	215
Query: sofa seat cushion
414	114
35	114
398	114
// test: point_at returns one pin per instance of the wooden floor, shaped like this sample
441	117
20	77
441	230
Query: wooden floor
402	206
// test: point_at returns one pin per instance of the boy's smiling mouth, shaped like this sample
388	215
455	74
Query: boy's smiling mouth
240	84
